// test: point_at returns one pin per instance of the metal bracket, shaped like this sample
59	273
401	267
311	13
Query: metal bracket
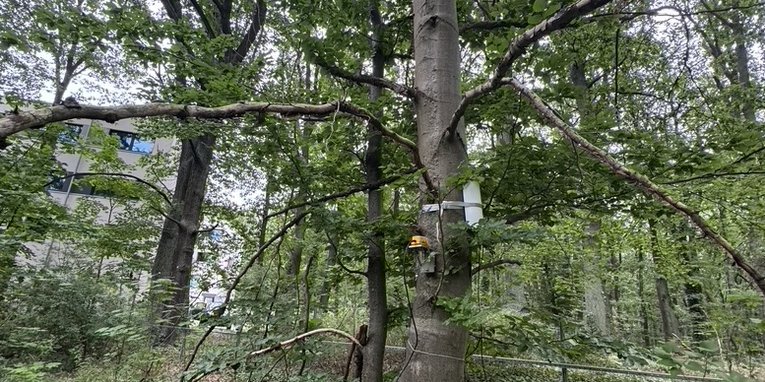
448	205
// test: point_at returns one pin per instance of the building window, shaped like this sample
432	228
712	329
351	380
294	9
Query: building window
132	142
81	186
70	134
61	184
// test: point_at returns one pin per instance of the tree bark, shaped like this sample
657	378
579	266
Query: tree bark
326	286
435	349
669	324
596	310
641	295
175	250
377	302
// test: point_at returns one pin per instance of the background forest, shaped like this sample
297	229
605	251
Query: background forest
617	145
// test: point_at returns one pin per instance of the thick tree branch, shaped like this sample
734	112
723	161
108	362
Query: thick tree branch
493	264
365	79
256	24
15	123
519	45
203	17
638	180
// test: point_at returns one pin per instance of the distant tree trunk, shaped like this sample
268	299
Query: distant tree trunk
326	286
264	218
694	298
296	255
742	67
437	78
641	296
596	310
669	324
304	133
377	302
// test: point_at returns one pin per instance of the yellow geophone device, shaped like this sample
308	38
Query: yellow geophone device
423	256
472	207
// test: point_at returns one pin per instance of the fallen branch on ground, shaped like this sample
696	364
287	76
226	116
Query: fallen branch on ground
288	343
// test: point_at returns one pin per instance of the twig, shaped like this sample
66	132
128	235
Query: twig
342	194
114	174
238	279
494	264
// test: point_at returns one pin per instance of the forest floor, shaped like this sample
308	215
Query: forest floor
323	364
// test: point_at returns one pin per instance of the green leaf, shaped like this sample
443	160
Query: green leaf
534	19
694	366
539	6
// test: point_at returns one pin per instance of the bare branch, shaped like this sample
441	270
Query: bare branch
342	194
638	180
239	277
713	175
494	264
114	174
256	24
365	79
519	45
206	230
288	343
280	346
15	123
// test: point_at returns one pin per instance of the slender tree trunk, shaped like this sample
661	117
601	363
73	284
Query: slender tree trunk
641	295
264	218
326	286
304	132
377	303
596	311
669	324
435	349
296	255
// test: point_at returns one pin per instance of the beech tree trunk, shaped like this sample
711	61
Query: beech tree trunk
435	349
175	250
377	303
